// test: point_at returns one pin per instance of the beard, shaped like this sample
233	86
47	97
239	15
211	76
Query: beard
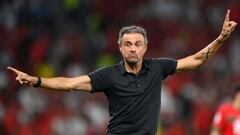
132	63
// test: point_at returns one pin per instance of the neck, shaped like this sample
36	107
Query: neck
133	67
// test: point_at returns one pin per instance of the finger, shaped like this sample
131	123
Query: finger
21	82
227	15
232	24
13	69
19	77
25	82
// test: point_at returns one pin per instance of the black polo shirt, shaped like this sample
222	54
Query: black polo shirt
134	101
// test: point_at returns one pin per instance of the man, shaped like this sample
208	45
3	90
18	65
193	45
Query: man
133	86
227	119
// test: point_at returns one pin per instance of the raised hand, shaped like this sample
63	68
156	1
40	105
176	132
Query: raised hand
22	77
228	26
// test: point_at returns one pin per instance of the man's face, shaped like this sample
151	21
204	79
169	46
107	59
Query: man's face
133	47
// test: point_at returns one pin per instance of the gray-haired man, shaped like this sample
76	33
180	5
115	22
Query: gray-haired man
133	86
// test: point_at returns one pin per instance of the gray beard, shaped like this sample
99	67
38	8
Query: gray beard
131	64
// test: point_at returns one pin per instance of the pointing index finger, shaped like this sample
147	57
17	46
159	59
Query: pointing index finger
13	69
227	15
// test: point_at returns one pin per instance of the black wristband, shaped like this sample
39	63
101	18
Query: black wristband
39	81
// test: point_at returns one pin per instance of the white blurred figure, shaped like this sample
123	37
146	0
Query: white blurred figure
75	69
32	103
4	80
166	9
98	115
32	100
69	125
168	105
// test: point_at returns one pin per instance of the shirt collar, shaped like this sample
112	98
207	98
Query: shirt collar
145	67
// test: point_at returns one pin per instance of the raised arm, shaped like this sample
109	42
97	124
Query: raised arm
200	58
81	83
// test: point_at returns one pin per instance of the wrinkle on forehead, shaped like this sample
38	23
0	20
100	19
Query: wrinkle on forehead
133	37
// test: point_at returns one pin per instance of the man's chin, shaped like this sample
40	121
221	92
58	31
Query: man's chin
131	63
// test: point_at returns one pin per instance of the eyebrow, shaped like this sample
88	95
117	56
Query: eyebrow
138	41
128	42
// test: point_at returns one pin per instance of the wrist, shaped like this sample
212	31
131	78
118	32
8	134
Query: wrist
37	82
221	39
223	36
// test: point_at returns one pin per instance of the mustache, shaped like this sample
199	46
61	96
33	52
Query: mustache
133	54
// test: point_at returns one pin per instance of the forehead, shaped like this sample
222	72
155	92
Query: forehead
133	37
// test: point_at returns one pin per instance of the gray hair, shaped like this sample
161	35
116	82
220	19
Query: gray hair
132	29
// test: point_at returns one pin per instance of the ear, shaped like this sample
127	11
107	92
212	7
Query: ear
120	48
145	49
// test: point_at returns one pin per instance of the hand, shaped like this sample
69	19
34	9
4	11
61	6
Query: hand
22	77
228	27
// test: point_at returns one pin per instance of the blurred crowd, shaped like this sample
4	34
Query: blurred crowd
74	37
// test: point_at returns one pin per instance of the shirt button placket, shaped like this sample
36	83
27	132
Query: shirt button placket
138	83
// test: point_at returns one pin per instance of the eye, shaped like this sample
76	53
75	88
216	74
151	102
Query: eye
138	44
127	44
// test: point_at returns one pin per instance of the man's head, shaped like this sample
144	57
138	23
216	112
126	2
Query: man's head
132	44
132	29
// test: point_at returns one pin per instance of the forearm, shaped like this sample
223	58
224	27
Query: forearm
209	51
200	58
56	83
80	83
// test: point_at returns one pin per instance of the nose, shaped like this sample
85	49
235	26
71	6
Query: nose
133	49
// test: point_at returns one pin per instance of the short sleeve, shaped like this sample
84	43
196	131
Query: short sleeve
218	120
167	66
100	79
